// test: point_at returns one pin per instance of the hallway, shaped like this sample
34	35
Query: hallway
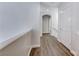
50	47
22	25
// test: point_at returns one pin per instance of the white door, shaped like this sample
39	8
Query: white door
45	24
65	27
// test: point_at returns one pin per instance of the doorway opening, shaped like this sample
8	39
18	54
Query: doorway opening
46	24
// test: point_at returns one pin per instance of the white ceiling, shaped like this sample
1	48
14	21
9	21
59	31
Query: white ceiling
50	4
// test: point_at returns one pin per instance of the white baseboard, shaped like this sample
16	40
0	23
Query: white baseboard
32	46
73	52
29	51
54	35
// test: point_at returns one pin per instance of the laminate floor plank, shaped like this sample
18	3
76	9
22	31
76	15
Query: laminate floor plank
50	47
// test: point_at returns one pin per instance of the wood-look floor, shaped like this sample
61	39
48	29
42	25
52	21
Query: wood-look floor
50	47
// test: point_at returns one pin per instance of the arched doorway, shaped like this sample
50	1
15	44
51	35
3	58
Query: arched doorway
46	24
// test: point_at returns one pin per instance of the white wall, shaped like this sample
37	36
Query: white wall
20	47
71	11
16	17
75	28
53	28
65	24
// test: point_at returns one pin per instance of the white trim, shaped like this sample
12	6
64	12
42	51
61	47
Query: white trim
29	51
32	46
11	39
73	52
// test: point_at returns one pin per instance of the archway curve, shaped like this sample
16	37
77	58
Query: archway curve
46	15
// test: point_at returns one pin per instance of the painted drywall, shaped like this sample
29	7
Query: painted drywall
69	11
20	47
17	16
53	13
65	25
75	28
54	27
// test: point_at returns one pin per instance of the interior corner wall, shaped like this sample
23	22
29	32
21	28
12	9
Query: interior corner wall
36	32
74	11
17	16
54	20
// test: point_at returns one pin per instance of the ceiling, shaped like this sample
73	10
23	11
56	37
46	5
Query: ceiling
50	4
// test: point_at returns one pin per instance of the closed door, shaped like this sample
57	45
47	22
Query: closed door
45	24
